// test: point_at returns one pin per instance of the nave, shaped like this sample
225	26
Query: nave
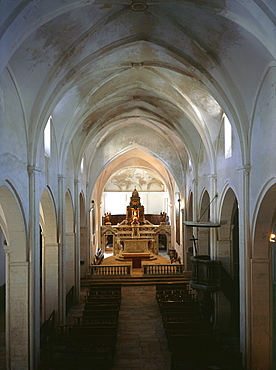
158	327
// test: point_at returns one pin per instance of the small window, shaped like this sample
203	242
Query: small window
82	164
227	137
47	138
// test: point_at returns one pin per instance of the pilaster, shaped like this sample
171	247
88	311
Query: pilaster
245	267
213	216
7	303
77	240
34	266
62	251
90	235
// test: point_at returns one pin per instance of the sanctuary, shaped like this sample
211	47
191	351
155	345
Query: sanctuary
135	234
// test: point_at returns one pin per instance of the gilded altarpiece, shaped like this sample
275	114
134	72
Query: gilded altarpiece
135	234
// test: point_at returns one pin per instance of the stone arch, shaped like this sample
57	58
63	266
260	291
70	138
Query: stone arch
203	233
70	242
17	279
261	281
50	265
228	253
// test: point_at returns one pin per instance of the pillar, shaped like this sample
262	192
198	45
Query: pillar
62	251
77	241
245	268
213	216
34	269
51	271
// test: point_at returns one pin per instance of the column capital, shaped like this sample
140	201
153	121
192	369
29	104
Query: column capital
7	248
213	176
33	169
61	177
245	168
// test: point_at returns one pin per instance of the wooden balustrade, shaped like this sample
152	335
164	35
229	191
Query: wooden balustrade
105	270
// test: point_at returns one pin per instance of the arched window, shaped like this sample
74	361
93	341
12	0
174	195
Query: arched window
47	137
227	137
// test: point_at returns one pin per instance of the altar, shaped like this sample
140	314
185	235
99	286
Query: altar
135	234
137	245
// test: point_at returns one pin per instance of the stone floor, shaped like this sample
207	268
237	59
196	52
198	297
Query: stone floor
141	342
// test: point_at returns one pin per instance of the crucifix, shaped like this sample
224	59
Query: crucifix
194	245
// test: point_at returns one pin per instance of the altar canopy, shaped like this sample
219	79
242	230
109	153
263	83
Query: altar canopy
135	234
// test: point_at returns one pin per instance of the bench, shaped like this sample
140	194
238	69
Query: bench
96	320
199	349
100	306
86	329
110	289
106	313
101	299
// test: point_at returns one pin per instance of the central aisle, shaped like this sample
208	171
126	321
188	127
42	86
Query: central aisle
141	342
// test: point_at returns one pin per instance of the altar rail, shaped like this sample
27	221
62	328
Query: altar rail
163	269
104	270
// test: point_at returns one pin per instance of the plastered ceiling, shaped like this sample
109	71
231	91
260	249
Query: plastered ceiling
140	83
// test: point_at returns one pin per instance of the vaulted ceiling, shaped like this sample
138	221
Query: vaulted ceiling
136	83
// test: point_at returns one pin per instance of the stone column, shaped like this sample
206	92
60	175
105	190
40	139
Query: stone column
77	241
70	260
195	209
62	251
245	267
34	268
172	219
21	326
7	307
213	217
51	253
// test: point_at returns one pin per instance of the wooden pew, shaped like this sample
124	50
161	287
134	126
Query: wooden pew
106	313
179	305
186	327
200	350
96	320
101	299
111	289
179	316
75	351
86	329
101	306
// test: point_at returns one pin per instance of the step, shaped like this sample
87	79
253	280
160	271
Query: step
128	280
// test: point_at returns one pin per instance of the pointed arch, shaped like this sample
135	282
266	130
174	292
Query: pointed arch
84	246
50	261
261	279
17	273
70	242
228	253
204	232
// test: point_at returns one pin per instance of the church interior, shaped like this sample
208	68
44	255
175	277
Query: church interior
138	184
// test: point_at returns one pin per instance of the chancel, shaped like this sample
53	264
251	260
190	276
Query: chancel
135	237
